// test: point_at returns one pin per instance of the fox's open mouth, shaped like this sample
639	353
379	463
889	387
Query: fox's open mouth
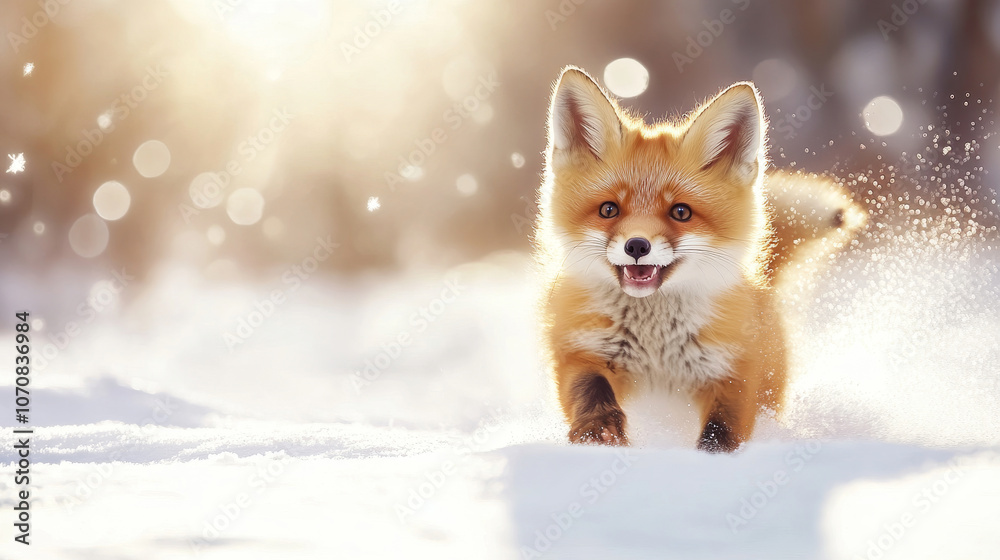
641	272
643	277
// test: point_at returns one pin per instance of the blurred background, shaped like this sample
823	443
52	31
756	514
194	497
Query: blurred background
229	134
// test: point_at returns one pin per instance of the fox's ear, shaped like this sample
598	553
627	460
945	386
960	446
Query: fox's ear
582	120
729	132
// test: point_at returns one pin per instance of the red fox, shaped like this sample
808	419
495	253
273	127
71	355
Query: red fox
656	248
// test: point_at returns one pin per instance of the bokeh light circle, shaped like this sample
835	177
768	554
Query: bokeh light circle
206	190
112	201
626	77
273	228
467	185
88	236
775	77
216	235
883	116
245	206
151	159
105	121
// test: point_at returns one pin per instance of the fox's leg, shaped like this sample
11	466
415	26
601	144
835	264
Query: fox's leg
728	412
597	416
591	401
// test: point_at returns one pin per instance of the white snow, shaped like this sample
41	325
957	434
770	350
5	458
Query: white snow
154	440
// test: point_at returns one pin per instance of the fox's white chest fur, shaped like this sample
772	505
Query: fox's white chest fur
655	340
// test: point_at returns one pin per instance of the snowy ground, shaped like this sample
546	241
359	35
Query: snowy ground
156	440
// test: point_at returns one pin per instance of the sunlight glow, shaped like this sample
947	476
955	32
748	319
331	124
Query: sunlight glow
275	31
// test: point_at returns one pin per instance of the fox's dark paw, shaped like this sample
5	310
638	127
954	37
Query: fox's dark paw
717	437
606	429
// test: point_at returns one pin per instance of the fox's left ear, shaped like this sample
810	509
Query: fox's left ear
729	133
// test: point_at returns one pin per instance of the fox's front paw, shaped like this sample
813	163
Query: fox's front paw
607	429
718	437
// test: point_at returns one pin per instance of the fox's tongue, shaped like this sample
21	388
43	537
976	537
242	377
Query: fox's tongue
639	271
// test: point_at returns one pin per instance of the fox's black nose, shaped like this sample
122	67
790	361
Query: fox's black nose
637	247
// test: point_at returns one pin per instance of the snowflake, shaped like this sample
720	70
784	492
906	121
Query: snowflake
16	163
28	68
373	204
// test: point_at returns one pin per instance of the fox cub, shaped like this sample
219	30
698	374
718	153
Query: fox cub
656	247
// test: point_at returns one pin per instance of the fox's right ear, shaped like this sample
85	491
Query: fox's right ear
582	119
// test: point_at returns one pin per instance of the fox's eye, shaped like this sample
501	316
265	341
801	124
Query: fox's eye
681	212
609	209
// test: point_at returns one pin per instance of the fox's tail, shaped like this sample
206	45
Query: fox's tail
813	218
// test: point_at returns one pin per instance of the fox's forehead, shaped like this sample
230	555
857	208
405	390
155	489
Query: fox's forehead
645	182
